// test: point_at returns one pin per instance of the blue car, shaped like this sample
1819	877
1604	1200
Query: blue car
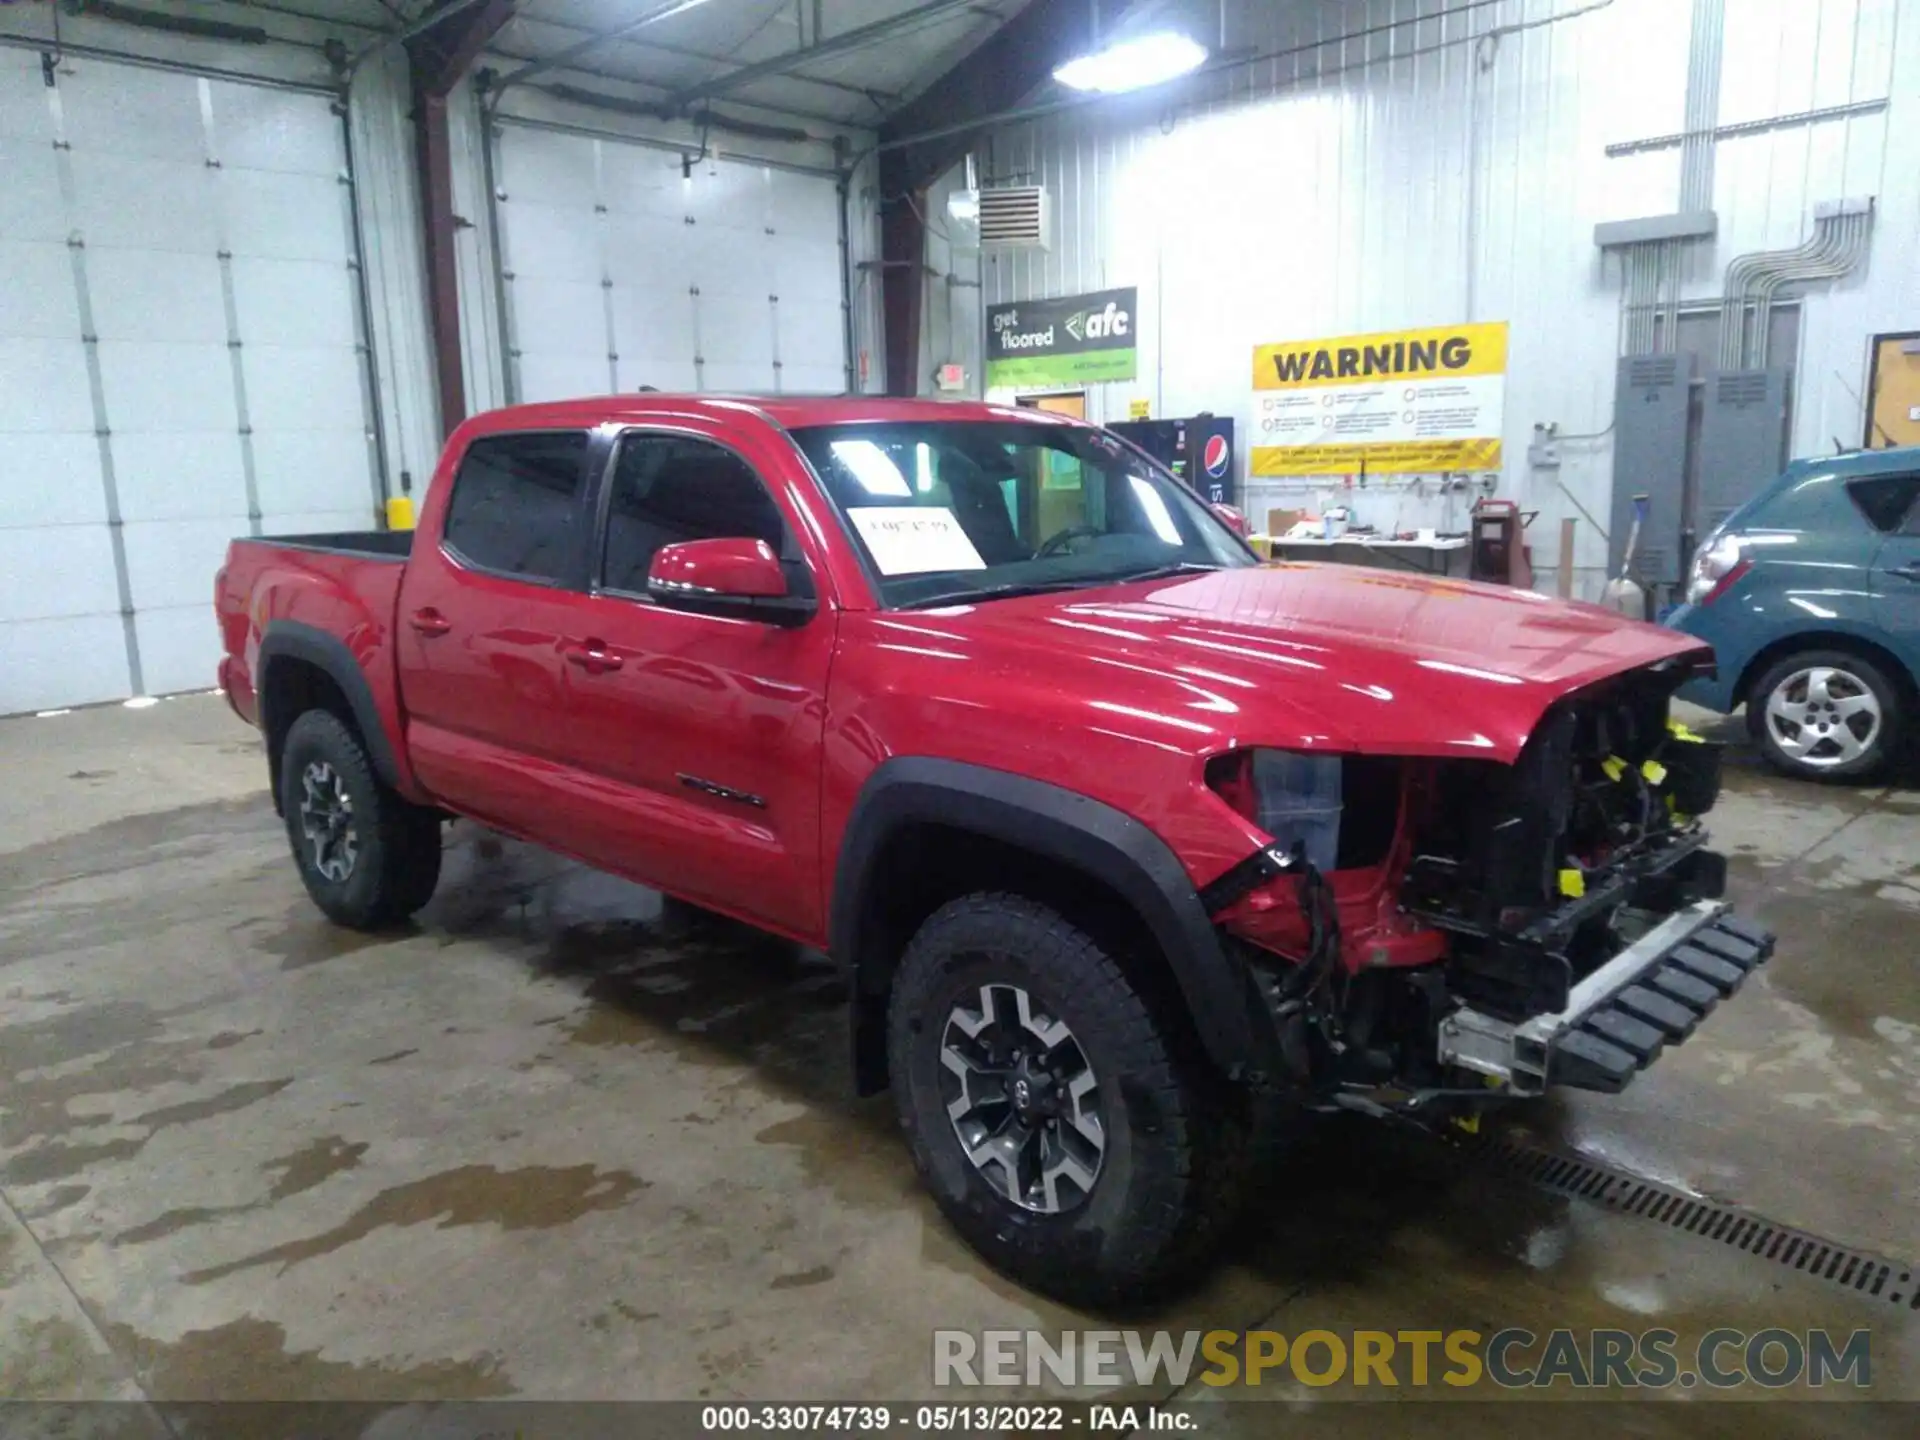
1810	596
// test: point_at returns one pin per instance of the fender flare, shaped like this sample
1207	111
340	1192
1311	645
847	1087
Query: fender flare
1092	837
289	639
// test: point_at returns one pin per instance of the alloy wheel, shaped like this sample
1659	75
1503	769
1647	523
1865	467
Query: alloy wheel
1823	716
1023	1100
326	821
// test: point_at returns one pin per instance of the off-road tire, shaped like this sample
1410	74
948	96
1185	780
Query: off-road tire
1887	737
396	861
1167	1186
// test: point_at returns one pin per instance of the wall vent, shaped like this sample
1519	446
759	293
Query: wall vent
1647	370
1742	387
1013	217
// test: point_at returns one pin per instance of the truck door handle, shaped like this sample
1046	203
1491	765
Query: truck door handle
591	656
430	622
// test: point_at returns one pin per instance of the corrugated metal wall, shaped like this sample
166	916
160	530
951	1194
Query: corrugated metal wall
1448	163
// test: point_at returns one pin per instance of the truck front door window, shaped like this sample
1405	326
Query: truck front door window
515	507
670	488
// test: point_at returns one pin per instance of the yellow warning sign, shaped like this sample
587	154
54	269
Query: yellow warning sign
1393	402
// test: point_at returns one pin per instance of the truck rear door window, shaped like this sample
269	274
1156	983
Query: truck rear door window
670	488
515	507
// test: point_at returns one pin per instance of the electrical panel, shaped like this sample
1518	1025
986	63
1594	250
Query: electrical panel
1650	458
1743	437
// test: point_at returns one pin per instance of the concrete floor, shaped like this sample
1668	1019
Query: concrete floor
553	1143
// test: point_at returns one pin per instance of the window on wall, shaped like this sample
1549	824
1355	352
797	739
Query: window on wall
671	488
515	507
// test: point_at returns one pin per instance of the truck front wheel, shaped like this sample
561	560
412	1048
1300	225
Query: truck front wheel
368	857
1049	1110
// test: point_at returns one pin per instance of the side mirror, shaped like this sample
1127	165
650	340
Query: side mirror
1232	519
739	577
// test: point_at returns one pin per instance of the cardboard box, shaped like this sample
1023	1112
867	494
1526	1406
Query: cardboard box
1279	522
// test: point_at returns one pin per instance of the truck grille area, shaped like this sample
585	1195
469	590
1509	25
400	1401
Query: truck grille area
1543	870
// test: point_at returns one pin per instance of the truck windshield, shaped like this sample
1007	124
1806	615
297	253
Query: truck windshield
950	511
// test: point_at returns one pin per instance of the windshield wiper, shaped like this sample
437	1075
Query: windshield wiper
1000	592
1167	572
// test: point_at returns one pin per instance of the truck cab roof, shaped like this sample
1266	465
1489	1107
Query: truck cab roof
788	412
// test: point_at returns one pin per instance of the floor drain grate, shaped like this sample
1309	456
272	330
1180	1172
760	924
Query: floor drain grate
1897	1282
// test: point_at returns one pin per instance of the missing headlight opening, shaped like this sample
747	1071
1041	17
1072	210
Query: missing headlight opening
1437	932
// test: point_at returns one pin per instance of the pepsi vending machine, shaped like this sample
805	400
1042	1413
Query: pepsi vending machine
1199	449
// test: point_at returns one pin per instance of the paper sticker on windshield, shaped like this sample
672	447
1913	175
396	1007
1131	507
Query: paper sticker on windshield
914	539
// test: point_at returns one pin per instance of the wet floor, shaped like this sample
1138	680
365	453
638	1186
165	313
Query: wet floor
561	1140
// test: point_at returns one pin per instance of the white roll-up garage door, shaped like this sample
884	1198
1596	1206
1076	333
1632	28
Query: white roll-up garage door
181	361
621	266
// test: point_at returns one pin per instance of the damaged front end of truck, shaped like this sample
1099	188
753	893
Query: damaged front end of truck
1480	930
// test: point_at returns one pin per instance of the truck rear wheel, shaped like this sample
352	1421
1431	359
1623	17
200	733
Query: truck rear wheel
1054	1117
368	858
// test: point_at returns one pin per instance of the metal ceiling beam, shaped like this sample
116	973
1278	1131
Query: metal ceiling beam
848	40
651	16
619	77
1007	67
903	287
440	53
529	23
1003	71
443	15
443	49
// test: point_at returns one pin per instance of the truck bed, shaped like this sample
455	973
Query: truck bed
342	586
374	544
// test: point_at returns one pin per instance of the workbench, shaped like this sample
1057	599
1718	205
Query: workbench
1438	553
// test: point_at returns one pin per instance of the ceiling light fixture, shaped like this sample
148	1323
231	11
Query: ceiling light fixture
1133	64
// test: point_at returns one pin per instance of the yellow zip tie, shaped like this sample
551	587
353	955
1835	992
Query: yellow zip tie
1654	771
1681	732
1614	766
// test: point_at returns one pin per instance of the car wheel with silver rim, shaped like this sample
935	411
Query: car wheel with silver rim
1066	1133
1825	715
326	821
366	855
1023	1099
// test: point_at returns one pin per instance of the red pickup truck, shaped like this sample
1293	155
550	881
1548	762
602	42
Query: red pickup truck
1134	848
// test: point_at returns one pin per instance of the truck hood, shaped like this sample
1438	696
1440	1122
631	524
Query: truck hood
1322	656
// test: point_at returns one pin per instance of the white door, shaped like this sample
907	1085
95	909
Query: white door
180	363
623	267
